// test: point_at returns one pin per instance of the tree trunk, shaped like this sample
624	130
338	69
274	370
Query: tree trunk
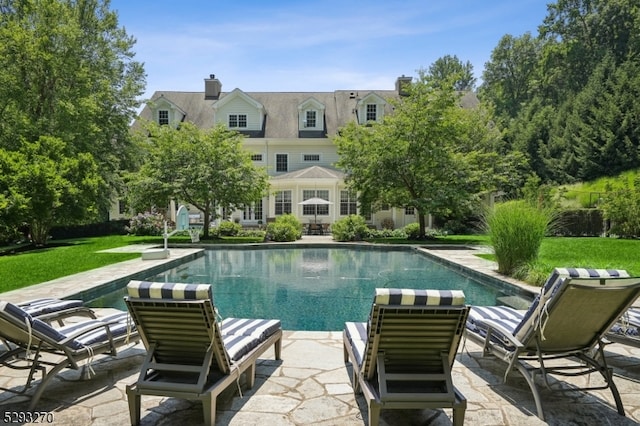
39	232
207	219
423	223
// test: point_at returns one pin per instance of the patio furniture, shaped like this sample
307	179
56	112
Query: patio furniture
51	309
35	346
568	320
627	330
402	357
189	355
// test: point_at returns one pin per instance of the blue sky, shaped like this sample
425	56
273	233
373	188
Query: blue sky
291	45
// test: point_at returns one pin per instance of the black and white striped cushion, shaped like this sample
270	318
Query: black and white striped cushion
260	329
238	345
396	296
357	335
175	291
49	305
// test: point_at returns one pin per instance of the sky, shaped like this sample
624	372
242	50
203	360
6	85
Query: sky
314	45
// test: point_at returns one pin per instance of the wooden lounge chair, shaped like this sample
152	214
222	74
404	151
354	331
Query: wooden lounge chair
568	320
402	357
36	346
189	355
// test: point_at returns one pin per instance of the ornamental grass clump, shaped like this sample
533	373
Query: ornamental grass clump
516	230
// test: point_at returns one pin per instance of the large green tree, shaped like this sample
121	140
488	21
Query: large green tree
430	154
208	169
43	186
67	71
448	68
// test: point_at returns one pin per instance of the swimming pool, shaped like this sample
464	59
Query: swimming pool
312	288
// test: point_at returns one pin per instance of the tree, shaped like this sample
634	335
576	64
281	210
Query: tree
44	186
67	72
509	76
449	68
430	154
208	169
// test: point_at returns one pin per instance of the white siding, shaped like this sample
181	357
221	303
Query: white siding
240	106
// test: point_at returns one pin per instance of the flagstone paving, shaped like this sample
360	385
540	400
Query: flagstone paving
311	385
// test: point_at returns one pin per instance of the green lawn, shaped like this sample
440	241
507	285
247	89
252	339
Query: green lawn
32	267
586	252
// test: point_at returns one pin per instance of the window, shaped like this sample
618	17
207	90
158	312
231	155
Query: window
282	162
256	157
347	203
372	112
311	157
122	207
237	120
311	119
283	202
163	117
310	209
253	212
409	211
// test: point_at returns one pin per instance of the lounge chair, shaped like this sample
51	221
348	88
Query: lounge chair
627	330
569	319
38	347
402	357
189	355
50	309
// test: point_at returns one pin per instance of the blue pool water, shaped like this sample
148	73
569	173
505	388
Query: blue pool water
312	288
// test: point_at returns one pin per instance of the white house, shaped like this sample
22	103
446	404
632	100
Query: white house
289	133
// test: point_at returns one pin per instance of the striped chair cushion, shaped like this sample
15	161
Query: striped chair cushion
260	329
395	296
238	345
176	291
551	287
117	325
504	316
29	325
629	324
357	335
48	306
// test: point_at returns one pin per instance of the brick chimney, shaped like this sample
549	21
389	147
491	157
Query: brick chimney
212	87
401	84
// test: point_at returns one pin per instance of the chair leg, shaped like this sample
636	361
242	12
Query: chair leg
374	413
251	375
534	389
209	407
277	346
133	398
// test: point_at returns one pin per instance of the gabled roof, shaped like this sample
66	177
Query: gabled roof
313	172
281	108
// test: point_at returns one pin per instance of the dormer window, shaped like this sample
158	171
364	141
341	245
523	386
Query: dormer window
372	112
311	119
370	108
237	121
163	117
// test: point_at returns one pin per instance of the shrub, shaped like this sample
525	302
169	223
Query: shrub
412	230
285	228
387	223
516	230
350	228
145	224
387	233
229	229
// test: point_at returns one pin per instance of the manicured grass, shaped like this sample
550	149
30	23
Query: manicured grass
586	252
68	257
